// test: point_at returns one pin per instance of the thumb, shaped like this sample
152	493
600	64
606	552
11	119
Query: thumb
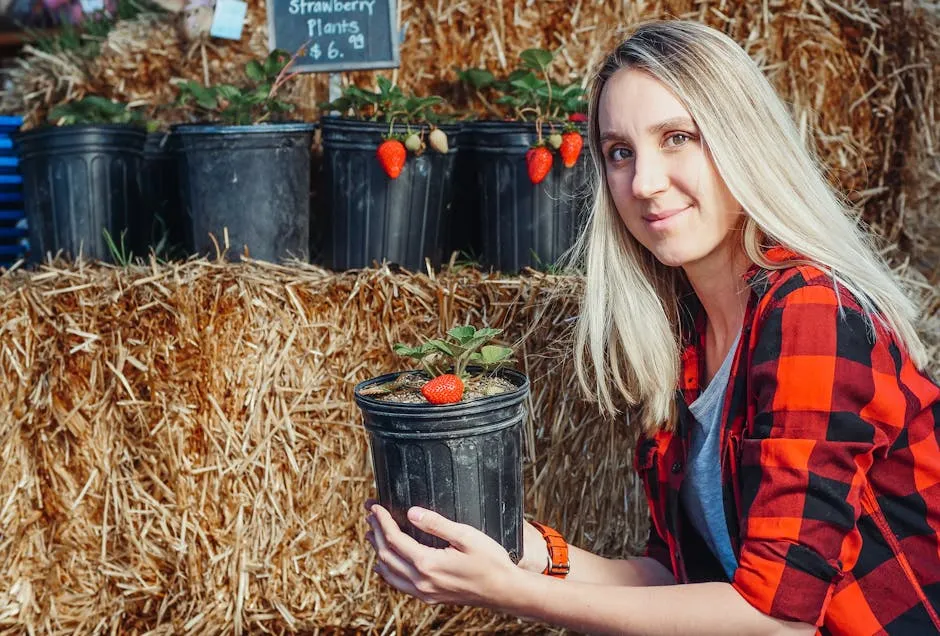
433	523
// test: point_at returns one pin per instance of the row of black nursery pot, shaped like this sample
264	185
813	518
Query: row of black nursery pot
112	191
200	188
476	198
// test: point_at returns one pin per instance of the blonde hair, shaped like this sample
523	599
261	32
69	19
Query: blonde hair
628	339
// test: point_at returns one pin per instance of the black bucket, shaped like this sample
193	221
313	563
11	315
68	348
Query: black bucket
160	184
465	232
461	460
374	217
79	181
251	182
525	224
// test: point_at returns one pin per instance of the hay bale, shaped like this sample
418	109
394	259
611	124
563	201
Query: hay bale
182	454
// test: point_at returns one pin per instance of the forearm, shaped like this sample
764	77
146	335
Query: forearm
590	568
702	609
638	571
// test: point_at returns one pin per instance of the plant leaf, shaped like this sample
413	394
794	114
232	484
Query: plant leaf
254	71
479	78
536	59
492	354
462	334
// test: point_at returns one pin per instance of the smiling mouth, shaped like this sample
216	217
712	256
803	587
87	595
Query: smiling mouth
665	214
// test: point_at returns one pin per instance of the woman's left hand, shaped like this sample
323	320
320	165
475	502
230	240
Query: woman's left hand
473	570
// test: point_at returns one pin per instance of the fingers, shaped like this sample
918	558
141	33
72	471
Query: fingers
369	503
440	526
386	554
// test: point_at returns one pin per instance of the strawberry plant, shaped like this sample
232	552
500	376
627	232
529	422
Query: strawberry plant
464	346
254	103
388	104
527	93
94	110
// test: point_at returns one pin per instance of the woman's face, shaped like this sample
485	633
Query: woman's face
662	180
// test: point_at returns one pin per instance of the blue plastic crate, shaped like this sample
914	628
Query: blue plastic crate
11	216
9	162
11	179
10	123
11	197
12	234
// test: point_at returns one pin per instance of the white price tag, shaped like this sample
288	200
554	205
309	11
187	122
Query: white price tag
229	19
91	6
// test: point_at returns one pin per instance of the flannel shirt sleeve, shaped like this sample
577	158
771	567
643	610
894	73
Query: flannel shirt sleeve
827	397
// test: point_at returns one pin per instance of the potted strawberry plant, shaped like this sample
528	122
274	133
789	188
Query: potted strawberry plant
244	170
530	169
388	166
448	437
82	180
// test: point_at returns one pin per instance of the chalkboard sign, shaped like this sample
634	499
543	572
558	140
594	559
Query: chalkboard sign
339	35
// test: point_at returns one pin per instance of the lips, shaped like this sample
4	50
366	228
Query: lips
663	214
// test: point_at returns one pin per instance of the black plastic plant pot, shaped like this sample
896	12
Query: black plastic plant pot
249	183
461	460
374	217
161	190
525	224
80	182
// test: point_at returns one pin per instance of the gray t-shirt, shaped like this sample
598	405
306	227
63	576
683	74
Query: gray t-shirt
701	490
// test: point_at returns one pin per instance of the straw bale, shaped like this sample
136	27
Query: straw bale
182	453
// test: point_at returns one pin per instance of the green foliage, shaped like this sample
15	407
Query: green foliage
388	104
94	110
121	255
527	93
84	40
254	103
463	347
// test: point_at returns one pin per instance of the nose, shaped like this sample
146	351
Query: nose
649	177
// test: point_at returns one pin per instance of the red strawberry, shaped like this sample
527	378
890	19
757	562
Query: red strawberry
539	162
571	144
391	154
444	389
577	117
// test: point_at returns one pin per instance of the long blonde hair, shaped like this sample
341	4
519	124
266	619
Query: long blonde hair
627	341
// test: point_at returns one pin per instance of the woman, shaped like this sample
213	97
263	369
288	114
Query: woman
794	477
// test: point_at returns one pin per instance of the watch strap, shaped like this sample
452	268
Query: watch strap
558	565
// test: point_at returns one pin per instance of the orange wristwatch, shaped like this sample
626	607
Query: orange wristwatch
558	565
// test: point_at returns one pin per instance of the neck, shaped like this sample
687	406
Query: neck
718	281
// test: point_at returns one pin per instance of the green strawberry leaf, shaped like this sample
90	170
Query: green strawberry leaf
462	334
491	354
536	59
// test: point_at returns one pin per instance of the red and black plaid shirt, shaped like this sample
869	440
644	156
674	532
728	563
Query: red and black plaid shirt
830	466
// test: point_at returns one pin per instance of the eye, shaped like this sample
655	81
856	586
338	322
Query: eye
619	153
678	139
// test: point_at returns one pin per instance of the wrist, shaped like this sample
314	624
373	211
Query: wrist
535	551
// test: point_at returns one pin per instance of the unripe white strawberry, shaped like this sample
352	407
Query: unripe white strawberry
413	142
438	140
554	140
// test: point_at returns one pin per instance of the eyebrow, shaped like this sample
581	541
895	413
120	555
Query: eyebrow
666	124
